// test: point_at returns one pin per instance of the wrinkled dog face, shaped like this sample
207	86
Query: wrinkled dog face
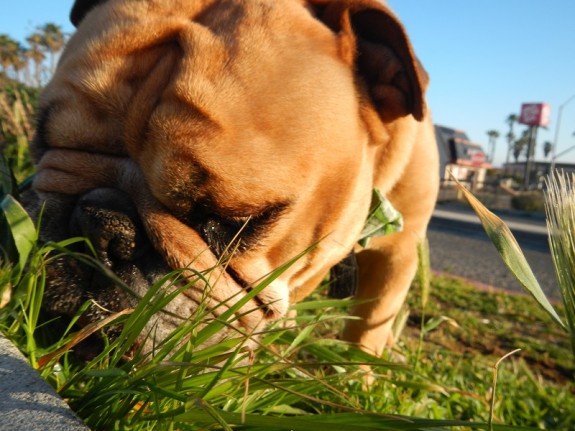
173	129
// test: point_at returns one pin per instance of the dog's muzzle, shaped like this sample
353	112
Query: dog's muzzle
128	266
116	239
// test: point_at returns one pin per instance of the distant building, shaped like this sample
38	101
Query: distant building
457	154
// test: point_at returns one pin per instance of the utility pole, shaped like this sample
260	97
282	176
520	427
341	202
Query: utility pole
561	153
533	115
530	152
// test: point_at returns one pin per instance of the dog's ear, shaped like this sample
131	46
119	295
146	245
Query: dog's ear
374	42
81	8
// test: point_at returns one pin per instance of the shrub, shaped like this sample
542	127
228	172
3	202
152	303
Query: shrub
529	201
17	104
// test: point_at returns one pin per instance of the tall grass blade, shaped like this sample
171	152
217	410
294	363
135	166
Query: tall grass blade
560	210
84	333
494	391
423	275
8	183
505	243
335	422
229	314
21	229
423	279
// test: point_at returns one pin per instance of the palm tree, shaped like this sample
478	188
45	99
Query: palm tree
21	64
8	53
52	41
36	55
510	142
520	145
547	147
510	120
493	135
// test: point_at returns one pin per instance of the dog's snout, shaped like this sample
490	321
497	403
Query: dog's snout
108	218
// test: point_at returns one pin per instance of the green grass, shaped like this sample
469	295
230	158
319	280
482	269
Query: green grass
440	374
560	210
537	383
16	126
301	378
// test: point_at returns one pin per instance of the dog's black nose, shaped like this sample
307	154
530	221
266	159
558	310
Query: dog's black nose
109	219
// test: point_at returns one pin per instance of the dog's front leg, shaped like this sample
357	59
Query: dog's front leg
387	267
386	270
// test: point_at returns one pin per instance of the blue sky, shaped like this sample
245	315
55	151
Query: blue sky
485	58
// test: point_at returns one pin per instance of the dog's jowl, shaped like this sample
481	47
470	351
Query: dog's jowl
230	136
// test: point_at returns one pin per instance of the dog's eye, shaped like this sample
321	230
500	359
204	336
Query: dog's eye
220	234
235	233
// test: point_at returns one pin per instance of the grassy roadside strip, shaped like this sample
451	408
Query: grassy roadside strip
466	330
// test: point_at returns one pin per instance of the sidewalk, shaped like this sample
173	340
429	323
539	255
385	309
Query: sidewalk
28	402
515	220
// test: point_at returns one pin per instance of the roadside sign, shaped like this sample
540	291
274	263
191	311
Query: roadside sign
535	114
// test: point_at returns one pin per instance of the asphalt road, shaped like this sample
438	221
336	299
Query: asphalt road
459	246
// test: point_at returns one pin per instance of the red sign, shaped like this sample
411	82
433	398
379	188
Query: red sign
478	158
535	114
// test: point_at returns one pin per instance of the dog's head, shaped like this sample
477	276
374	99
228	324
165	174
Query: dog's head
185	132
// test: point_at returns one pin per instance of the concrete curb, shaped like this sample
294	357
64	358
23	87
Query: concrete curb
28	402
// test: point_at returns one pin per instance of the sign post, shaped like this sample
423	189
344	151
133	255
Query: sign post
534	115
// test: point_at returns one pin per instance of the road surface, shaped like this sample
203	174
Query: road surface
459	246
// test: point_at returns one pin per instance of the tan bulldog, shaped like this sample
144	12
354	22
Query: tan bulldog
230	136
